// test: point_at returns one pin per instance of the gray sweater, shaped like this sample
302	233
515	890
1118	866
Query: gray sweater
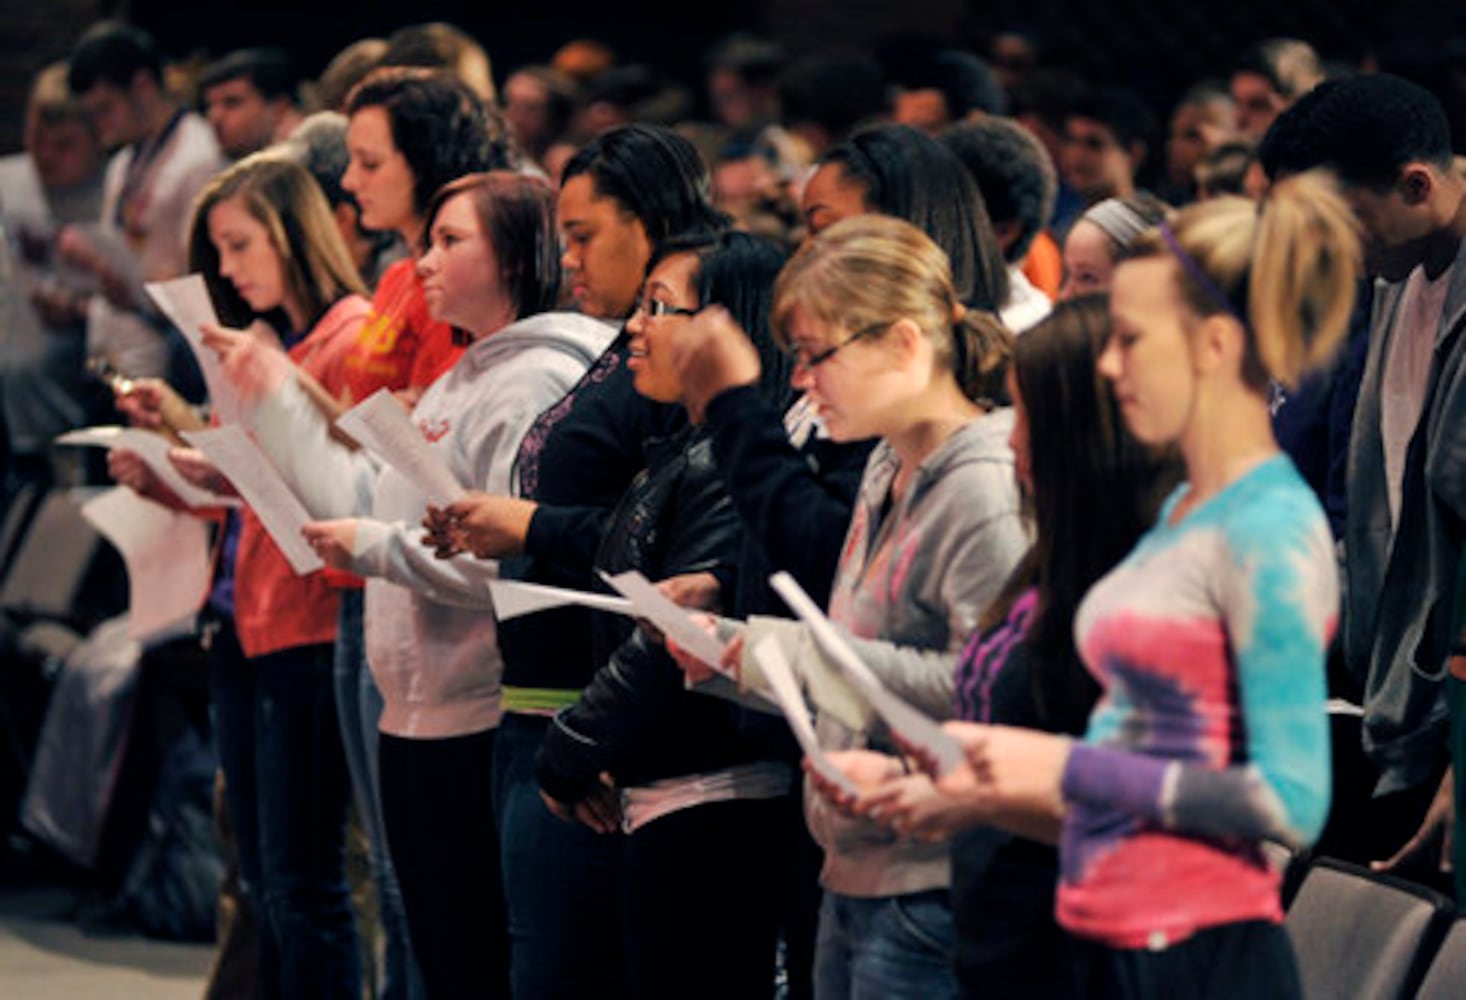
909	590
1399	585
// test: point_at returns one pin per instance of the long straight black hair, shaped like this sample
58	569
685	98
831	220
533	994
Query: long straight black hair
910	175
1095	492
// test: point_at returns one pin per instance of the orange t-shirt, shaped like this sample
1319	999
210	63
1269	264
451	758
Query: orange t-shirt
275	609
1044	265
400	346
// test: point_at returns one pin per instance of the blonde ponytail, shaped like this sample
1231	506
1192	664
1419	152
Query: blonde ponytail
1305	271
1293	266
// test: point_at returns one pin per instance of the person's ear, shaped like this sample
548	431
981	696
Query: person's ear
906	341
142	84
1416	183
1219	342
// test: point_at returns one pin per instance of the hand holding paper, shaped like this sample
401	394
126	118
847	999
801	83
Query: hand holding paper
186	303
674	622
906	723
786	692
153	448
332	541
382	426
242	461
251	359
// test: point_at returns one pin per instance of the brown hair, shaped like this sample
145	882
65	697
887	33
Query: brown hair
283	197
872	269
517	215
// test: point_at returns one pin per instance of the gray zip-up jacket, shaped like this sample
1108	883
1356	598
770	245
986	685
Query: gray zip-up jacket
914	577
1398	599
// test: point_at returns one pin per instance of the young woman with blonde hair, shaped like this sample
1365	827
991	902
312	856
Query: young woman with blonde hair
883	348
1208	640
268	248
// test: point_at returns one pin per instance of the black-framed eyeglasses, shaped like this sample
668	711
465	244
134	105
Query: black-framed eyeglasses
658	308
809	362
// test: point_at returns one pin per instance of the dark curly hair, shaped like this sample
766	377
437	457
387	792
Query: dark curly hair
1364	128
440	126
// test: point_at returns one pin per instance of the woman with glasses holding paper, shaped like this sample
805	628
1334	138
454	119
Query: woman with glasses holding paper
273	260
883	348
492	271
1093	490
627	192
700	805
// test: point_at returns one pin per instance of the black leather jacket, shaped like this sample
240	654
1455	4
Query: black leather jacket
635	720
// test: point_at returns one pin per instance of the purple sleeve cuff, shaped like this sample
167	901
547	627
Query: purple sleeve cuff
1117	779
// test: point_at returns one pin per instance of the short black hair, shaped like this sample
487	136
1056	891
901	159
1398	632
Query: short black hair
1012	170
113	52
755	61
965	81
1364	128
656	175
440	126
1121	111
836	90
268	70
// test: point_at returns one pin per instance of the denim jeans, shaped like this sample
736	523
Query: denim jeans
358	708
885	948
562	882
286	785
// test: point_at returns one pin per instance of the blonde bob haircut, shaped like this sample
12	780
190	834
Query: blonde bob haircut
284	198
1287	269
870	271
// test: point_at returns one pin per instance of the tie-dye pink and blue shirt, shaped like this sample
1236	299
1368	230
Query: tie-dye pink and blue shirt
1210	736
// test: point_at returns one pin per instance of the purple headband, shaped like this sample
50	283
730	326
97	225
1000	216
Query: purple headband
1218	297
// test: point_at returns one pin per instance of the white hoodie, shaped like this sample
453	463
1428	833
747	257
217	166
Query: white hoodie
430	637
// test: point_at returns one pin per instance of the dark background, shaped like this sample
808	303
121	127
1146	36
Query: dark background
1155	47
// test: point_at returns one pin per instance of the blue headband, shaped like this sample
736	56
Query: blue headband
1213	292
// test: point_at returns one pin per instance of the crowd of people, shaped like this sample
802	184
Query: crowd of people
1119	466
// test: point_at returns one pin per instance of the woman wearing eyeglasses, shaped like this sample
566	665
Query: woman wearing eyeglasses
883	349
637	751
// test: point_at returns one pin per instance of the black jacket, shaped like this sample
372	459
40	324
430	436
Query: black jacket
578	459
635	720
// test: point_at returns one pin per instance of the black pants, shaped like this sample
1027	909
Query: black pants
438	809
1252	959
700	890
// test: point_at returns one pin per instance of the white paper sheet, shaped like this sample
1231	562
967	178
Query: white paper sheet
659	609
513	598
906	722
786	692
236	455
167	558
154	451
382	426
186	303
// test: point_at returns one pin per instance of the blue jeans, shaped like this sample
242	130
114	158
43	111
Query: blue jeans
886	948
561	882
286	784
358	708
